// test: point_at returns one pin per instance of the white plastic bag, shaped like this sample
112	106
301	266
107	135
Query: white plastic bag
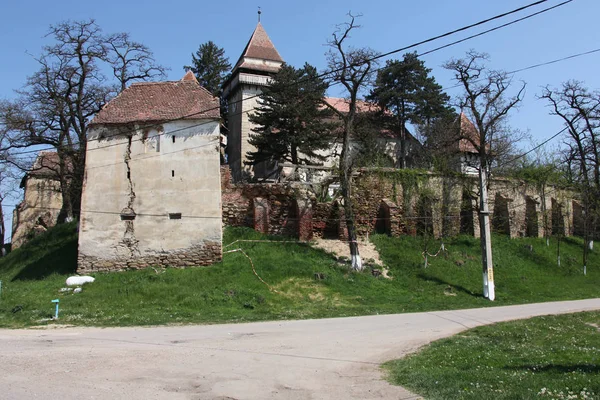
79	280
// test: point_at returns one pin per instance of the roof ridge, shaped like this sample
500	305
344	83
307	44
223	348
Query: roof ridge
154	83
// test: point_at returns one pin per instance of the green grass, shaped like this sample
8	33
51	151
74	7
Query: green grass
553	357
229	291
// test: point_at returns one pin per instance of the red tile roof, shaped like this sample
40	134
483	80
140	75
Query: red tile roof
160	101
343	106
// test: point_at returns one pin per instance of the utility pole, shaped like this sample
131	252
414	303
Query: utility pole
486	239
485	97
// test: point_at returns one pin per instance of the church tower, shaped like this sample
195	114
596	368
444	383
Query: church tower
259	61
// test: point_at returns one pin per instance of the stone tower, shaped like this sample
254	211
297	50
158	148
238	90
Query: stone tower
259	61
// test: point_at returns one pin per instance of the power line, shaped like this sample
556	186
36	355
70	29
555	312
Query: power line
468	27
496	28
484	33
365	61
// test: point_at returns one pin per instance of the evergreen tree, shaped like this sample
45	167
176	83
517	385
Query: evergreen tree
406	89
292	124
210	66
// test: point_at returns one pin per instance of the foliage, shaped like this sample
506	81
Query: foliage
406	93
368	151
551	357
539	174
210	66
409	179
229	291
291	123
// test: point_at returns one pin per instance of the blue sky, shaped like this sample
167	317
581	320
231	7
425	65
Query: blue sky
299	30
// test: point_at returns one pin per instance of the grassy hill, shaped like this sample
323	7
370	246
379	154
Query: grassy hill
300	282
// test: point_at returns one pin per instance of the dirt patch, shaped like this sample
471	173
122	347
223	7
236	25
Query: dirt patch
340	248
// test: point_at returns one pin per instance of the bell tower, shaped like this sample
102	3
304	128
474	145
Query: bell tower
259	61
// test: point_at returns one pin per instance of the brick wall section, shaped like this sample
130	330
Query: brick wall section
278	205
206	254
325	222
368	192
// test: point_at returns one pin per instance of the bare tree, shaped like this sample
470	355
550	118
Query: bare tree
353	69
579	109
131	61
486	101
9	178
8	184
59	100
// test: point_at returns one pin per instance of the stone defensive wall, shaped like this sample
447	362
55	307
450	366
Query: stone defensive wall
402	202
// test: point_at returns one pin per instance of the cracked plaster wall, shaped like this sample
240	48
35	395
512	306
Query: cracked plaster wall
147	176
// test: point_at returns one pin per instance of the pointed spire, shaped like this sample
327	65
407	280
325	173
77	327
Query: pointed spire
259	12
189	77
260	46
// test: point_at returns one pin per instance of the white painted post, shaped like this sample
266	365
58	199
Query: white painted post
486	240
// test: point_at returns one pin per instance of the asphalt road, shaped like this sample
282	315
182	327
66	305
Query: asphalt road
312	359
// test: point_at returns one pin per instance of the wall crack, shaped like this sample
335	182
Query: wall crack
129	240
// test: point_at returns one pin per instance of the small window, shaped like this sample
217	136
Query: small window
172	173
173	138
174	215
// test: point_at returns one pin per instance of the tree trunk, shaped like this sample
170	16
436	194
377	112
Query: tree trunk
2	230
402	122
545	216
346	187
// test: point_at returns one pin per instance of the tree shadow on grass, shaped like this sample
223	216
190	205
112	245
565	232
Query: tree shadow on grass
526	252
62	260
439	281
558	368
